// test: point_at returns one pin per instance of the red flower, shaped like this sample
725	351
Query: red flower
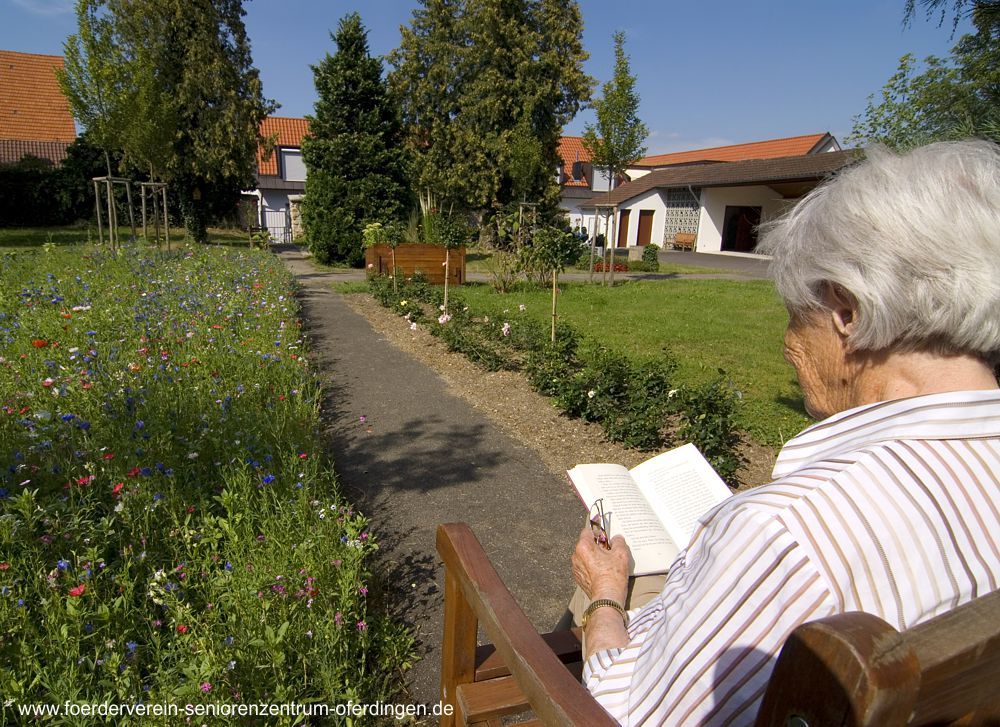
116	490
78	591
85	480
134	472
109	455
4	566
39	342
182	629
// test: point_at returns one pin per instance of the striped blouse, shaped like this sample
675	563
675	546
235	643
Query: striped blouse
892	508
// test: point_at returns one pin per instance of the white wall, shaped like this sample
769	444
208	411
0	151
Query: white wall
275	199
651	200
714	201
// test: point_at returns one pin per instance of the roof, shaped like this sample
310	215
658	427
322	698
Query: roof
732	174
771	149
571	149
32	108
13	150
273	183
288	132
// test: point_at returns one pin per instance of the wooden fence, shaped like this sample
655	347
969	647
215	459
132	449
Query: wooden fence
427	260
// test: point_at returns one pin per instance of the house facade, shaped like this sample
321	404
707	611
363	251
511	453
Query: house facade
35	119
281	178
721	195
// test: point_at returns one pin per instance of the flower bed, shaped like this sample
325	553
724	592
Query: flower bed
169	531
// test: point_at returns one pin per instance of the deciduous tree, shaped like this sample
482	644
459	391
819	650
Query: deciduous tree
951	98
618	138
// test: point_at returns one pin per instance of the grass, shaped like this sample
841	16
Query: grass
13	239
170	528
705	324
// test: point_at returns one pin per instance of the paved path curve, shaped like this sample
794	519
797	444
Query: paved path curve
422	456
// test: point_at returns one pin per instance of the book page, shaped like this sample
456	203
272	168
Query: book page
680	486
628	514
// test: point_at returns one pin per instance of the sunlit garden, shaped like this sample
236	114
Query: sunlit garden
170	527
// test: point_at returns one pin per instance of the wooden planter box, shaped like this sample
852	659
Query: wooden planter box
427	260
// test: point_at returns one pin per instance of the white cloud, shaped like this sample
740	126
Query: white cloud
46	7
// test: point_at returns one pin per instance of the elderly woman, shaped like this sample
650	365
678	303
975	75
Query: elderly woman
891	503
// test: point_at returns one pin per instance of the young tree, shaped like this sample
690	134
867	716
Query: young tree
95	78
952	98
618	138
354	150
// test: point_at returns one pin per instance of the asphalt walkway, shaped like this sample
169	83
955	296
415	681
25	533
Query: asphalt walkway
411	455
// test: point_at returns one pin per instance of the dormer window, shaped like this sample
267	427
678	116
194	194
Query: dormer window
293	169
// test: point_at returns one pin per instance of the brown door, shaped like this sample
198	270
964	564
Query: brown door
645	226
623	228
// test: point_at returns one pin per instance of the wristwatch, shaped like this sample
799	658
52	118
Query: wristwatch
600	603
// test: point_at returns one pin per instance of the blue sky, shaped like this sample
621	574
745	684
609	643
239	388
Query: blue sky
709	72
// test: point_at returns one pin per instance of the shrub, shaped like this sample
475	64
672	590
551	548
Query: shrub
708	420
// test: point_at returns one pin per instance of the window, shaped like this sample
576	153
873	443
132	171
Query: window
293	169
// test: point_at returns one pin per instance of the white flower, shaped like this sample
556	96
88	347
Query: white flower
591	394
444	318
522	307
192	455
440	307
672	393
506	329
413	326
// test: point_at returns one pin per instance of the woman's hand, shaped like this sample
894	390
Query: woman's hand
600	572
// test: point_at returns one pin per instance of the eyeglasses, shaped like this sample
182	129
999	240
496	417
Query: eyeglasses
600	523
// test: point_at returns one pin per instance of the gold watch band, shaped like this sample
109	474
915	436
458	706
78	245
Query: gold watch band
601	603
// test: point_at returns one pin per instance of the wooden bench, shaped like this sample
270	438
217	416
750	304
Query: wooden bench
851	669
684	240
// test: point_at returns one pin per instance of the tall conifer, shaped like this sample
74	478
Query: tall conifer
357	171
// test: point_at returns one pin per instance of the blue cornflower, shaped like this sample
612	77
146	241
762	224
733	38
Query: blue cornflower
131	646
228	641
229	566
83	425
68	417
157	497
20	603
4	493
269	479
145	472
62	564
140	424
88	628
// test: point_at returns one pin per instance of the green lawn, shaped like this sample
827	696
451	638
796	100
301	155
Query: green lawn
704	324
25	238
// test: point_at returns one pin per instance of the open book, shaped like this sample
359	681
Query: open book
655	505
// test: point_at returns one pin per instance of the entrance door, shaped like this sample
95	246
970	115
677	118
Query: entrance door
645	227
739	230
623	228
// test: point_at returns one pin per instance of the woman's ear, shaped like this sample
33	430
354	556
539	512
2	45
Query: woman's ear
843	307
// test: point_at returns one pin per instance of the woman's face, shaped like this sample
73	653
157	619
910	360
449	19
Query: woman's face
815	348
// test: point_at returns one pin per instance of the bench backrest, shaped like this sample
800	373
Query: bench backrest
850	669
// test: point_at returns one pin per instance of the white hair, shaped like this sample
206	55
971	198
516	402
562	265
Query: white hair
914	237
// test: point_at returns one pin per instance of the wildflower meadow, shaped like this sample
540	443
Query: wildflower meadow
170	529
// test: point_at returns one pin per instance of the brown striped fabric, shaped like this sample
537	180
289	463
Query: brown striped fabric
892	509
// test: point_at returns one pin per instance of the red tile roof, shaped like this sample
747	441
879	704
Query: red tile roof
32	108
728	174
289	132
772	149
571	149
14	150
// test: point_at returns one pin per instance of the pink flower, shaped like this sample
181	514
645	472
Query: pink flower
362	626
338	618
78	591
206	687
363	590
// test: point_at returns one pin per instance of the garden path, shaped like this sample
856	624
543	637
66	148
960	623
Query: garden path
412	455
